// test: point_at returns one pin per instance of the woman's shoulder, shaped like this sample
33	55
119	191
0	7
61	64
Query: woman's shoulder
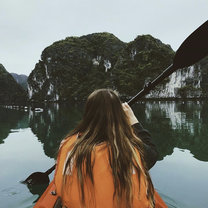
65	146
68	141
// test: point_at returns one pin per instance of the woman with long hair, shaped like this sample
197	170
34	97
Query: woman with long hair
104	161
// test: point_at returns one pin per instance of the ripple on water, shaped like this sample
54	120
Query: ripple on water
16	197
171	203
10	191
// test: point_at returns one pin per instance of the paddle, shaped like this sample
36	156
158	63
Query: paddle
194	48
39	177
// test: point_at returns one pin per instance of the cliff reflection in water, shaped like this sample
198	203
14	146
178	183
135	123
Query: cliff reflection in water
53	124
177	124
172	124
11	120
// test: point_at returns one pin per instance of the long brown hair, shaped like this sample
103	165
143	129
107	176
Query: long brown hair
104	120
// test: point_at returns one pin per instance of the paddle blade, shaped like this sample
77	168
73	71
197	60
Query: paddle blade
193	49
37	178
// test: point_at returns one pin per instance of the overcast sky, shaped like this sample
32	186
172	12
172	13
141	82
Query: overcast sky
28	26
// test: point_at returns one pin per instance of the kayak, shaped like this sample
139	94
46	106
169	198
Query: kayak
50	199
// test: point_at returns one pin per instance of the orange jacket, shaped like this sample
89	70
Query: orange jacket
103	189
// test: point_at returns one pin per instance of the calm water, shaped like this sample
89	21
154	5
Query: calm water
29	142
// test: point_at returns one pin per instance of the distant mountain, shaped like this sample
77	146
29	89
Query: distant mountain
10	91
21	79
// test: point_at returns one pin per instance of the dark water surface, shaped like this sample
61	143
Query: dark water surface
29	142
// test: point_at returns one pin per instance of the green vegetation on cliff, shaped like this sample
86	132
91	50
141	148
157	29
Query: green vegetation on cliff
141	61
10	91
72	68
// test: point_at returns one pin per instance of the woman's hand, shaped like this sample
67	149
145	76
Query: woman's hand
130	114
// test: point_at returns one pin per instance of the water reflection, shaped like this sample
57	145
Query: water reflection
52	125
10	120
177	124
172	124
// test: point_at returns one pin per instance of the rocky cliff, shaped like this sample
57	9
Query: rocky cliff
10	91
191	82
72	68
141	61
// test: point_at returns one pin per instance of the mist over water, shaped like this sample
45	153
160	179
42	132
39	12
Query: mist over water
29	142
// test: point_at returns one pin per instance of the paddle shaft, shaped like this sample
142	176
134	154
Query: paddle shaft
152	84
50	170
